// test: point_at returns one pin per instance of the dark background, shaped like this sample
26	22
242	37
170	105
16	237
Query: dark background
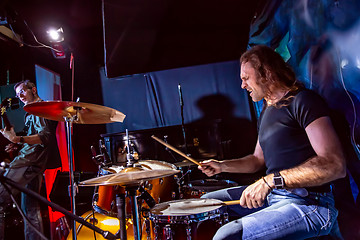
140	37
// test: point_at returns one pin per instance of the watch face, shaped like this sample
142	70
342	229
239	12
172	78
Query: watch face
278	182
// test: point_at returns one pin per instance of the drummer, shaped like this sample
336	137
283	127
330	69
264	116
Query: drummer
37	150
300	150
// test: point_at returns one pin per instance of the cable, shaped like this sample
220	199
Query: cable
32	33
352	103
22	213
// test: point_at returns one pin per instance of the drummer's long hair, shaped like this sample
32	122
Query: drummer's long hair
272	70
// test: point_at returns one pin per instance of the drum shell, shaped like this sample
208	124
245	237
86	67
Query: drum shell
161	189
180	224
106	223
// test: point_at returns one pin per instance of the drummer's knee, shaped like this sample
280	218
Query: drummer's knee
230	231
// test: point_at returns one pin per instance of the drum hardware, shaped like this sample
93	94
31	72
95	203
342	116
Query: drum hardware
147	197
106	159
120	204
131	178
130	156
6	181
147	228
168	150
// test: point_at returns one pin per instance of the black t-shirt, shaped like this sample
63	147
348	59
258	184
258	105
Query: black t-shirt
282	133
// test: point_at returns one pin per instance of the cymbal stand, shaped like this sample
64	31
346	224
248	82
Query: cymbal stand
120	204
129	156
72	189
134	210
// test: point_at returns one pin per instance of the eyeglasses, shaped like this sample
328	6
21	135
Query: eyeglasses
22	91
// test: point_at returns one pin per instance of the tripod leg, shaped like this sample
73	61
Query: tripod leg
135	213
2	223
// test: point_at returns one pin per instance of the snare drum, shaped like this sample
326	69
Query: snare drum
197	188
187	219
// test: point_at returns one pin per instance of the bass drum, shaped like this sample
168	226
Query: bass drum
110	224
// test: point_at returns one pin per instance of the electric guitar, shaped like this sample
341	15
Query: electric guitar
7	103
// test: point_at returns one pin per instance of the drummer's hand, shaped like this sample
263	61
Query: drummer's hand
254	195
11	147
210	167
9	134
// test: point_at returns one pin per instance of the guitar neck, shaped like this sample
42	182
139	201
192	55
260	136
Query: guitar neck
6	121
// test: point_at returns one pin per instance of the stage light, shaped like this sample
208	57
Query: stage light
56	35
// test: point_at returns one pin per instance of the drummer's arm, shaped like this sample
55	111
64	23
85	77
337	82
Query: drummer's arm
248	164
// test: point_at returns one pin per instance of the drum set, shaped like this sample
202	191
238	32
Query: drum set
144	199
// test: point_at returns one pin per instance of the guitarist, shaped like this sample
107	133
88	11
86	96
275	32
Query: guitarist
38	151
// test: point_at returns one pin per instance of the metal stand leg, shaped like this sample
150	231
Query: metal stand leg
120	204
2	223
134	210
72	193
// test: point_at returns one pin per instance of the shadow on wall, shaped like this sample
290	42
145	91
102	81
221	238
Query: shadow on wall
232	136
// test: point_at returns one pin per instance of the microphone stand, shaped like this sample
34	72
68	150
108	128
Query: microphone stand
105	234
182	118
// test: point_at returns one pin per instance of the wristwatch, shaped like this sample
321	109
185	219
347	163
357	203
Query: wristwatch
21	140
278	181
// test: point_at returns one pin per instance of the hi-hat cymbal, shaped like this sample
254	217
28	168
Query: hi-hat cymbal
86	113
128	178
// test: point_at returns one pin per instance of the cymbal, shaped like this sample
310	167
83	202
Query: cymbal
86	113
184	163
128	178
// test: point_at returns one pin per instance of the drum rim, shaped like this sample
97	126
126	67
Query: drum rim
186	218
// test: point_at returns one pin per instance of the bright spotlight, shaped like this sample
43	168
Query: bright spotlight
56	35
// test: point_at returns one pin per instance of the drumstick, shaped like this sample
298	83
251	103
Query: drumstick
234	202
175	150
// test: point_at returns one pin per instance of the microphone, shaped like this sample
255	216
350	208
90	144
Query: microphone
104	152
180	95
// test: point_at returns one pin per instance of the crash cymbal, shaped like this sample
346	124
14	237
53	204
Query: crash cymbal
86	113
128	178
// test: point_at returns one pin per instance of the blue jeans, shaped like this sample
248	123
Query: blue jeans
284	216
30	177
